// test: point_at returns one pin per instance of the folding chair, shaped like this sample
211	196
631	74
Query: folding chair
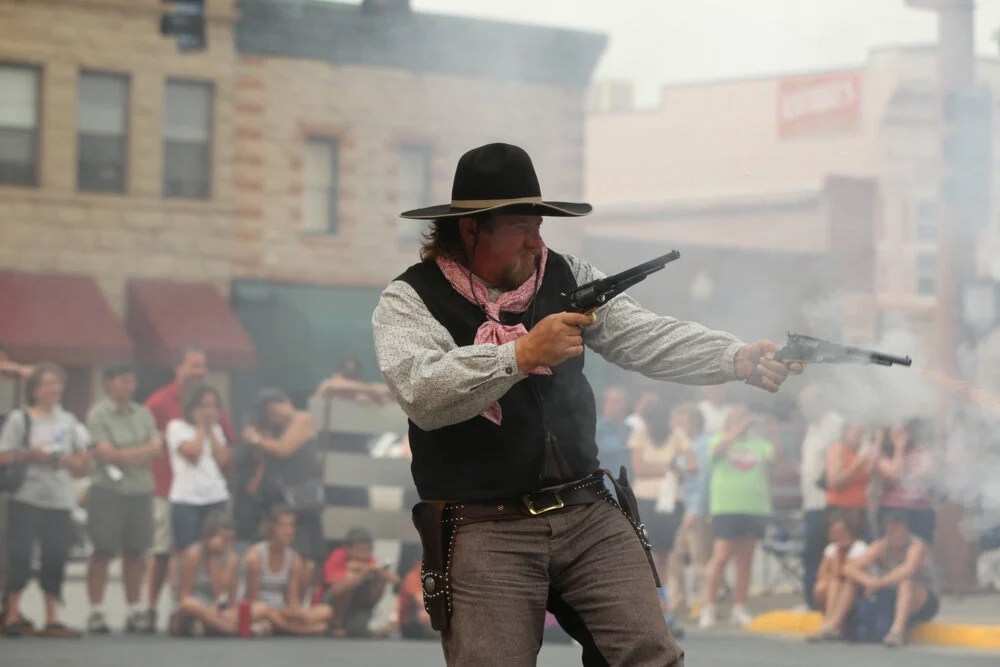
784	545
988	563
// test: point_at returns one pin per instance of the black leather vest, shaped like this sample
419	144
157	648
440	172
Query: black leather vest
544	416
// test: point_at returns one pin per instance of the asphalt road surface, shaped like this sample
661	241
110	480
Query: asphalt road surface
703	649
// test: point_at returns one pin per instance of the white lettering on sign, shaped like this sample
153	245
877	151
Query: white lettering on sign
818	99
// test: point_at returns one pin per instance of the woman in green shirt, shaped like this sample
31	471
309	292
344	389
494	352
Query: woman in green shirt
740	504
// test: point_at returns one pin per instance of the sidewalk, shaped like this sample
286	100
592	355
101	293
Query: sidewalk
971	621
76	607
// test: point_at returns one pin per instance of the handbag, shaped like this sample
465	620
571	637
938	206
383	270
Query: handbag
873	617
12	475
666	501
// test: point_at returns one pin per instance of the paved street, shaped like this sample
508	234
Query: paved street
715	649
722	647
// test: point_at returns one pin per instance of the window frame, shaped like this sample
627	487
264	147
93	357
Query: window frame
332	227
210	146
919	278
127	132
39	72
409	238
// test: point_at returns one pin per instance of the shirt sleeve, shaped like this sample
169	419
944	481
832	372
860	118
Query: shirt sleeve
97	427
659	347
335	567
767	449
436	382
830	551
82	438
12	435
857	550
149	424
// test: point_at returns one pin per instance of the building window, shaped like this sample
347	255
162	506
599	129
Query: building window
187	140
19	93
102	132
925	219
319	193
414	188
926	271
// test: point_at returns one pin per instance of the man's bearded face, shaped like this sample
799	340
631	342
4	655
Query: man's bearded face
508	255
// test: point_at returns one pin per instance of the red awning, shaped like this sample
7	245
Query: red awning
59	318
165	316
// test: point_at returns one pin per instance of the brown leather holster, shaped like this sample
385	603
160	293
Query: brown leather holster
630	508
435	538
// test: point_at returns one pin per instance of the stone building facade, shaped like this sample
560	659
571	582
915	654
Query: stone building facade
244	198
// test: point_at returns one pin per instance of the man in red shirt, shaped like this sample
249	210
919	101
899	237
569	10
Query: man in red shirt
354	584
166	404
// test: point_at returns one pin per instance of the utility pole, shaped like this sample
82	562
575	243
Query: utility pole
956	256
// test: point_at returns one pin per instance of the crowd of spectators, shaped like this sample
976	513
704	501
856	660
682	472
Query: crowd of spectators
703	474
228	522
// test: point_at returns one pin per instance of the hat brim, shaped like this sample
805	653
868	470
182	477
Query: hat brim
557	209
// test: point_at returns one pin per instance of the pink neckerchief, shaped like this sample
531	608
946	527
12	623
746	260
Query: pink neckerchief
492	331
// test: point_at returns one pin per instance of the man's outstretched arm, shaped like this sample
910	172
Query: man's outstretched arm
665	348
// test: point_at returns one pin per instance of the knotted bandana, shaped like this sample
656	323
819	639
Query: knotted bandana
492	331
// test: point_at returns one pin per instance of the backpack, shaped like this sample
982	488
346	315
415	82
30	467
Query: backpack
873	616
12	474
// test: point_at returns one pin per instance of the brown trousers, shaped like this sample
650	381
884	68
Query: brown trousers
588	559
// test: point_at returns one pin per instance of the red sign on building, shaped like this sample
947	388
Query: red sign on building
821	104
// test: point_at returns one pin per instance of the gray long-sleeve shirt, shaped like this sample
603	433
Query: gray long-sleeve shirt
438	383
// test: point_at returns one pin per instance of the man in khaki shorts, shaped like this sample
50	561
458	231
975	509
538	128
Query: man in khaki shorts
120	501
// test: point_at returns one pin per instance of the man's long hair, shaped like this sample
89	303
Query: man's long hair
442	238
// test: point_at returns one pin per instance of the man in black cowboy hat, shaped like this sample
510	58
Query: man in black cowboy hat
515	518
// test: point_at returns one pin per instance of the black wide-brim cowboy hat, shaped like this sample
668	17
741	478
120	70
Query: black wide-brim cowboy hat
497	177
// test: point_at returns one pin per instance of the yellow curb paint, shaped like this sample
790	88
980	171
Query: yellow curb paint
942	634
978	636
787	622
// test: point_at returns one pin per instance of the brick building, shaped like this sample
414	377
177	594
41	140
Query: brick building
115	165
244	198
826	182
346	116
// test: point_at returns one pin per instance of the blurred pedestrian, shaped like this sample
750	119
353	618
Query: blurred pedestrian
198	454
166	404
208	582
355	582
290	455
694	537
906	468
849	467
120	500
275	573
835	593
899	569
53	445
824	429
741	508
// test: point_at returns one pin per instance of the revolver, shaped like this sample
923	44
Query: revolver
806	349
591	296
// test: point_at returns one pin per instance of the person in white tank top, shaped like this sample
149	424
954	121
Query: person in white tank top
274	577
